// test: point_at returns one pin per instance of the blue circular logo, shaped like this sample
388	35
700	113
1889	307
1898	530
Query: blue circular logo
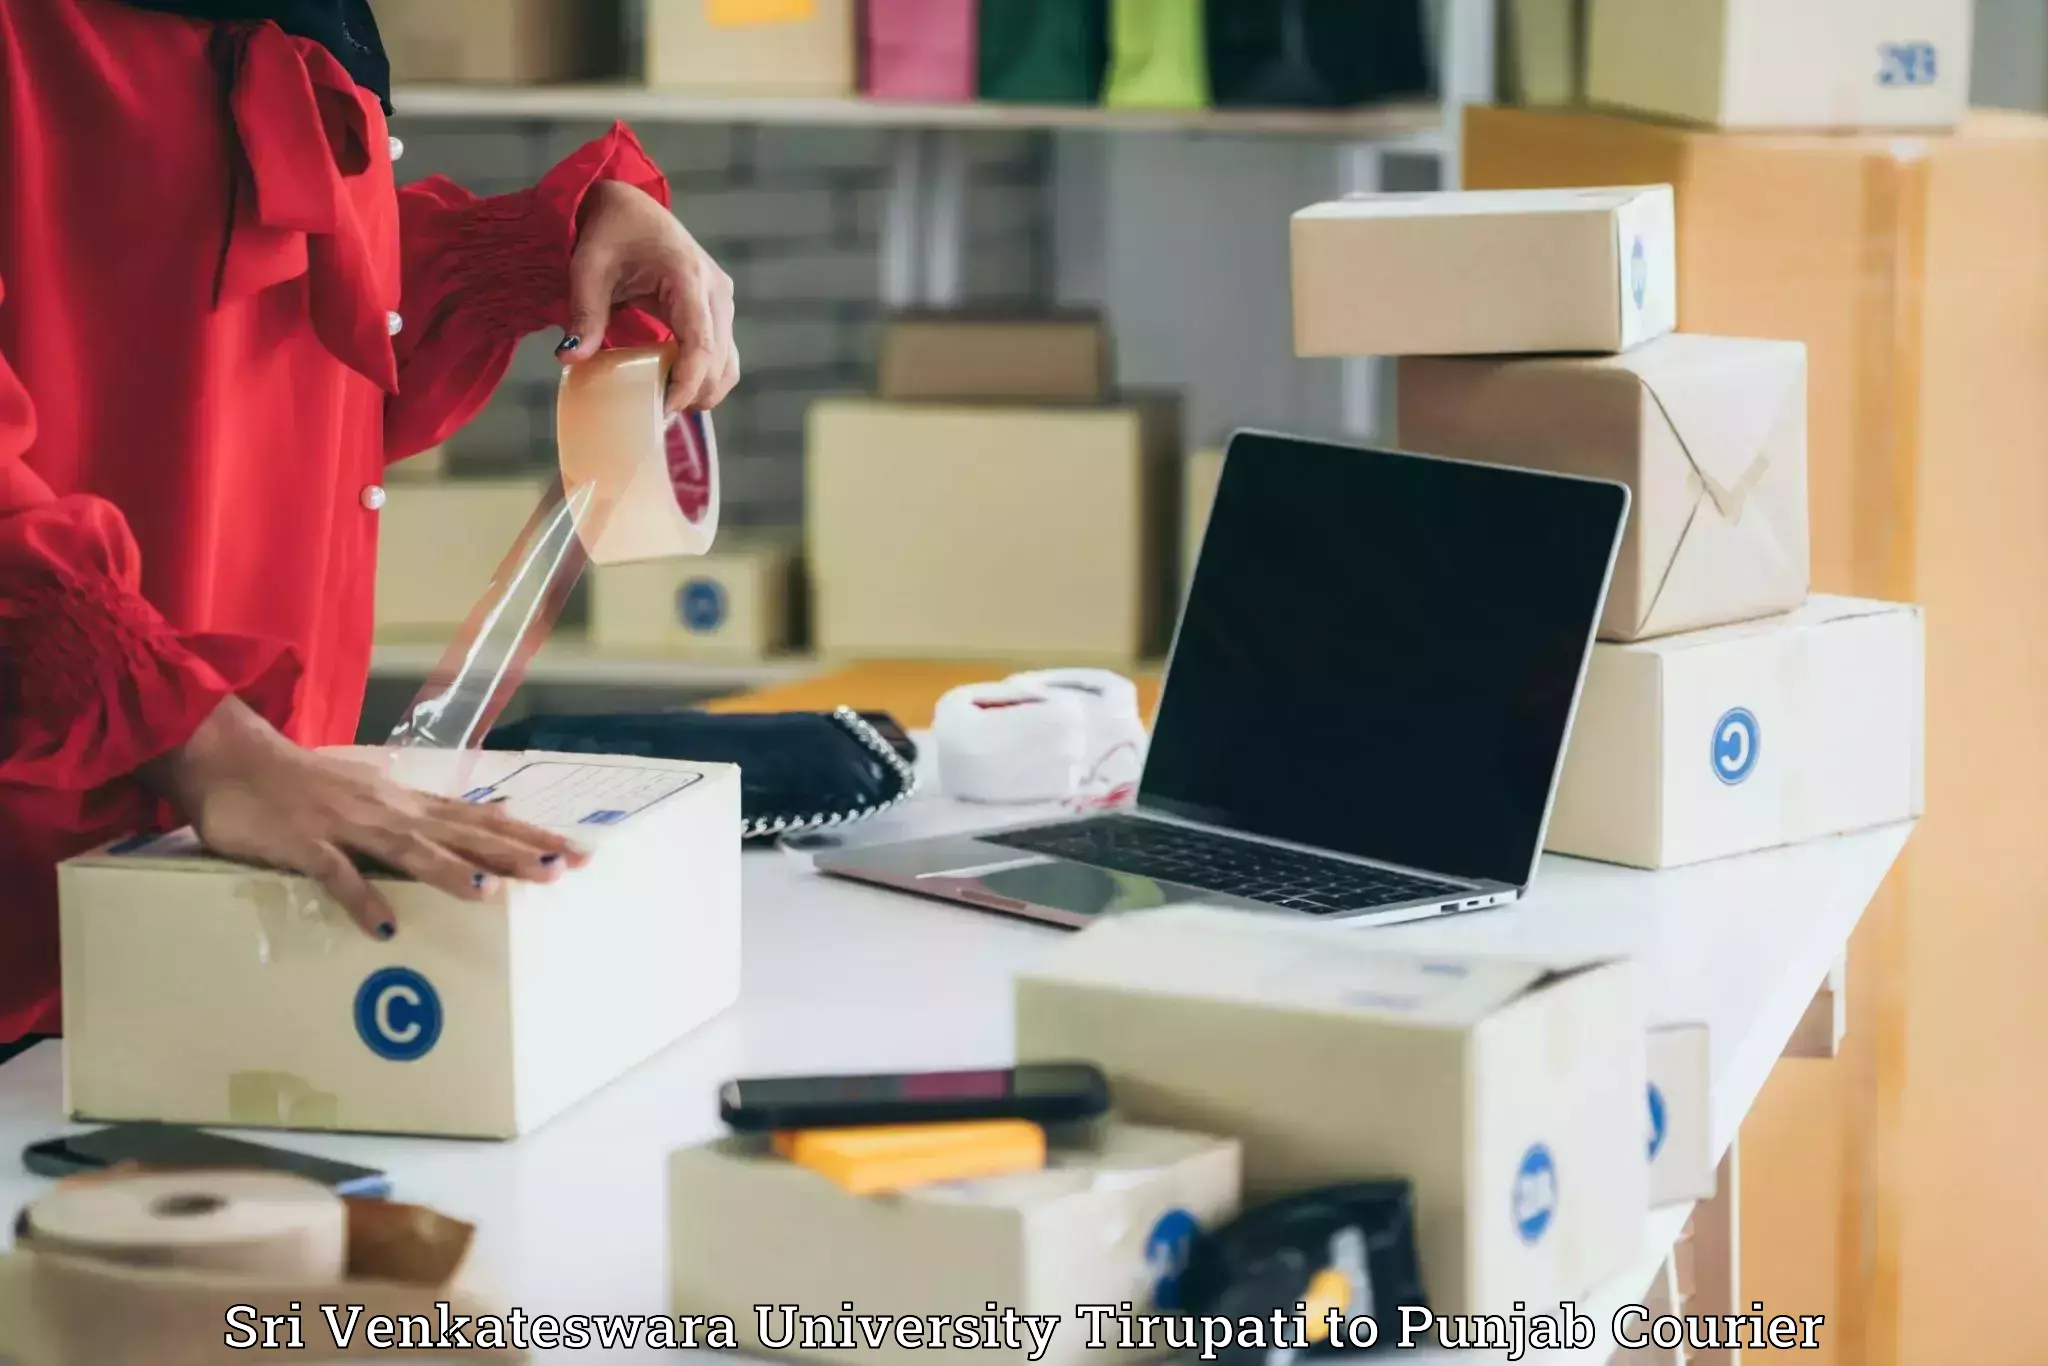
1167	1249
398	1015
1657	1121
1639	273
701	605
1736	741
1535	1194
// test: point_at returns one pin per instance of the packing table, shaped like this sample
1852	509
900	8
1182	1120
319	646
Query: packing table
842	977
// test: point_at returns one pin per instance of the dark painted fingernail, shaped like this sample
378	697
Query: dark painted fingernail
387	930
550	860
476	880
569	343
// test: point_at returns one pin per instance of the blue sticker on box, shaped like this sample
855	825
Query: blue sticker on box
1639	273
1737	741
1535	1194
701	605
398	1015
1658	1122
1907	64
1167	1250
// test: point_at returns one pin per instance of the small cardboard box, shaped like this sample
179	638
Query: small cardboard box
753	47
1746	737
198	991
1543	51
1012	534
1509	1092
430	466
995	360
1198	495
1682	1165
734	603
500	42
1784	64
1709	433
1487	273
438	546
1108	1221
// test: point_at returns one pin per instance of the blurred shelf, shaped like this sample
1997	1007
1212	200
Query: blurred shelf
570	662
1404	122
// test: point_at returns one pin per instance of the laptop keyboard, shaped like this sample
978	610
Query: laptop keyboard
1220	863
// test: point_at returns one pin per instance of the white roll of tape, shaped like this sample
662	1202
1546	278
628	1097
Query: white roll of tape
1010	744
1116	731
247	1223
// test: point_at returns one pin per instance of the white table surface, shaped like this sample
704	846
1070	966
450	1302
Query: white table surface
841	977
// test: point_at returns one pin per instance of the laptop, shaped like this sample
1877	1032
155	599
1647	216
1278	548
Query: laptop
1365	709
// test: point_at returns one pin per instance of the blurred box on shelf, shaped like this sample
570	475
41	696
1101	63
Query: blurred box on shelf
1746	737
429	466
1783	64
753	47
1108	1221
1317	54
919	50
438	546
245	997
1542	51
1910	267
941	531
1589	270
1198	495
1682	1162
1509	1092
501	42
1055	358
1709	433
735	603
1043	51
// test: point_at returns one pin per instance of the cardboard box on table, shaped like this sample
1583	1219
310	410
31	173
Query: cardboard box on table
438	546
753	47
1484	273
738	602
500	42
1709	433
1510	1093
1198	496
1543	51
1783	64
1746	737
198	991
984	532
1108	1219
1052	359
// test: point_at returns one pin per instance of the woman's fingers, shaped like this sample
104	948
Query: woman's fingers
550	848
411	850
726	359
698	359
336	873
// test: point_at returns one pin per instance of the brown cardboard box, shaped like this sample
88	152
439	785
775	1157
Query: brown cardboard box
996	360
1198	495
1483	274
438	546
428	467
1016	534
1784	64
734	603
1913	269
1709	433
717	47
1102	1224
500	42
1543	51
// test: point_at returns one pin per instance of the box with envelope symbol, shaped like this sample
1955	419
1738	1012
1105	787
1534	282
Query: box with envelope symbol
1709	433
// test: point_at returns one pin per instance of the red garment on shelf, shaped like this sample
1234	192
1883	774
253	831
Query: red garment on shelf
218	321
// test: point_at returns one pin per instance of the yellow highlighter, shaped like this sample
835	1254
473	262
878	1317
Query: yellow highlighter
888	1158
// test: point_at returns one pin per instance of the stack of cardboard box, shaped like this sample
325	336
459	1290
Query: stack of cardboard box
995	501
1723	712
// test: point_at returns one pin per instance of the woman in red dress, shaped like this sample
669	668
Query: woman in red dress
219	321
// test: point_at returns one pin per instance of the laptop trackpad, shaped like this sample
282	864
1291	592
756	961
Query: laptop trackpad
1074	887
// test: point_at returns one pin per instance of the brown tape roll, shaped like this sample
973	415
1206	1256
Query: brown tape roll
258	1224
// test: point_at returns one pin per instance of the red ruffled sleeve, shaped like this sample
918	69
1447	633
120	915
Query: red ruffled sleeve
93	682
479	274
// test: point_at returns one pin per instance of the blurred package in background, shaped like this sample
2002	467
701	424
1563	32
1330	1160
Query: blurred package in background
501	42
1198	495
984	532
753	47
1044	51
1589	270
1315	53
439	546
735	603
919	50
1158	55
1783	64
1542	51
1050	359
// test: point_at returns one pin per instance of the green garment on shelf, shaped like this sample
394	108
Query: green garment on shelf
1158	56
1044	51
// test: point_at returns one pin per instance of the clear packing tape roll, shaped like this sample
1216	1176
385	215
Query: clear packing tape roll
635	484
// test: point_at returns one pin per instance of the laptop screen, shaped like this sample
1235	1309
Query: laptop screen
1380	654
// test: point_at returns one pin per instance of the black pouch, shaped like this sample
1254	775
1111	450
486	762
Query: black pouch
1317	53
798	770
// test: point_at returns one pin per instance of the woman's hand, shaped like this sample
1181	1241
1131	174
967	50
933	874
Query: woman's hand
254	795
631	250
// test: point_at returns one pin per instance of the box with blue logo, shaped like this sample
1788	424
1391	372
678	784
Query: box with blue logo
1739	738
199	991
994	1268
736	603
1509	1092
